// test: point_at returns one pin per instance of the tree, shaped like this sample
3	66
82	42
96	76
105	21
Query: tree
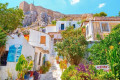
119	14
101	14
10	19
107	51
73	45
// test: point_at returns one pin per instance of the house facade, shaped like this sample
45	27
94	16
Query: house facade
15	46
42	46
101	26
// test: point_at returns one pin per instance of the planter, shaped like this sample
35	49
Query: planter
31	73
26	76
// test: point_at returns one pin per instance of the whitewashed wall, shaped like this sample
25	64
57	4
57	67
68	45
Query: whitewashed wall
66	24
50	29
34	40
27	50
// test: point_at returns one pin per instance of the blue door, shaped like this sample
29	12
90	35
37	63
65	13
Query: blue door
62	26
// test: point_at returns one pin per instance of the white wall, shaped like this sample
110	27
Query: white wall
50	29
27	50
90	36
66	24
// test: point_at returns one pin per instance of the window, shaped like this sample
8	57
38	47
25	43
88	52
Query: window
43	40
62	26
14	53
104	27
74	25
87	30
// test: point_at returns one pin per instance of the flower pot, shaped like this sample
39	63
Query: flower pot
31	73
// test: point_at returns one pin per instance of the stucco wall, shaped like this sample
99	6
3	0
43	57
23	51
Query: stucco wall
27	50
66	24
50	29
4	70
94	28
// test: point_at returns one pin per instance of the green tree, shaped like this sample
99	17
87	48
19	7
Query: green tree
10	19
119	14
101	14
73	45
107	51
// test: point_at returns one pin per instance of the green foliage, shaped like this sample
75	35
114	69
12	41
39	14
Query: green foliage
99	50
101	14
73	45
102	75
45	68
107	51
63	19
54	22
69	73
63	64
81	72
2	38
10	19
119	14
23	66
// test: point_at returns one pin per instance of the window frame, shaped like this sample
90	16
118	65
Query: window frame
107	27
61	26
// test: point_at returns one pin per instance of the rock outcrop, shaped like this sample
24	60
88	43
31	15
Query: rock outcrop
39	16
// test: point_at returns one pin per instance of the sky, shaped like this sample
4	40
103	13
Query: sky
111	7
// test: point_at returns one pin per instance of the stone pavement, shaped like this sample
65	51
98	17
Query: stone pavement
54	72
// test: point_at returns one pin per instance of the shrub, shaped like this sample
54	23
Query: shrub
69	73
63	64
45	68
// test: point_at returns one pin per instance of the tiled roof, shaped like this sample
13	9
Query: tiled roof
106	19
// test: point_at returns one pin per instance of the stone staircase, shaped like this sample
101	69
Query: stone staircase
54	72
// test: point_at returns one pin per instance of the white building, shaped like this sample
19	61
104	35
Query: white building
61	25
14	48
42	45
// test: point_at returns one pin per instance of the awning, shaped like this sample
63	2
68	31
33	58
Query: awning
42	50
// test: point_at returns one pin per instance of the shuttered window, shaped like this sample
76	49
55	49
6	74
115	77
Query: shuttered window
43	40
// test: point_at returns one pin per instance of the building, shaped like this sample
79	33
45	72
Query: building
16	45
42	45
101	26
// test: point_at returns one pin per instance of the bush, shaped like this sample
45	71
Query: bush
63	64
69	73
45	68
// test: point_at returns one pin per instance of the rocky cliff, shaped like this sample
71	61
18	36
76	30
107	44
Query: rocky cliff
39	16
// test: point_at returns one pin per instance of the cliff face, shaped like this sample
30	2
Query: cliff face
39	16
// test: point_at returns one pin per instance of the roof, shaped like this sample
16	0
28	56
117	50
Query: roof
106	19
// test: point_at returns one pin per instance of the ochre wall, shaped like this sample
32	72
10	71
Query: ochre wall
97	29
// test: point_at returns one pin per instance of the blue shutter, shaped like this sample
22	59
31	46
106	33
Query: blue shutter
14	53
